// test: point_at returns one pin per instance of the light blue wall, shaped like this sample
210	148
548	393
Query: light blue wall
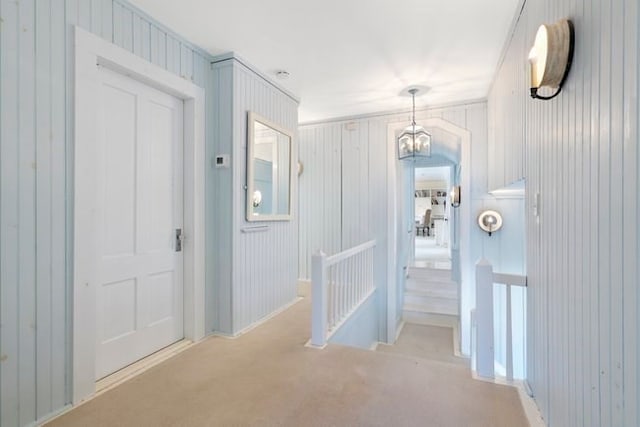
36	178
579	152
361	330
344	194
253	270
36	140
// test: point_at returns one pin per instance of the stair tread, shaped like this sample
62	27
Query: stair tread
428	287
430	270
446	293
434	266
430	275
441	282
433	319
450	309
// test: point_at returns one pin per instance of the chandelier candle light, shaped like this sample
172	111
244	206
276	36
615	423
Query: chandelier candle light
414	142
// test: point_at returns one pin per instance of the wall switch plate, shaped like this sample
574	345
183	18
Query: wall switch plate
221	161
536	205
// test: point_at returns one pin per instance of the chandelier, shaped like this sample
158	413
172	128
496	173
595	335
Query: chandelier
414	142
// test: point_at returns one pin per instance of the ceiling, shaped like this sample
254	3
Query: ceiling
352	57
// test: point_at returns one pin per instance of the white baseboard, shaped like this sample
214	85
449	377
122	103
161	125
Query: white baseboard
124	375
304	288
315	347
399	331
259	322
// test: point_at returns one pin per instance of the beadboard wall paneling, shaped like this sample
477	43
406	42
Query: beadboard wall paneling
344	202
36	140
320	194
220	224
355	180
506	138
265	273
582	251
338	175
259	277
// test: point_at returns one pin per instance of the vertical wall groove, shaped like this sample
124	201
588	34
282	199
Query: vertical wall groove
582	157
254	275
36	140
356	211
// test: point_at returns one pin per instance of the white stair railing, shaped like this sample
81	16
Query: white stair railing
484	318
339	285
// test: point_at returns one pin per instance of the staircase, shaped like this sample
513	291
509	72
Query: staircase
430	297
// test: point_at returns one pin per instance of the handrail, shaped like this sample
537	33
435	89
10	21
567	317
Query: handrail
339	285
341	256
510	279
484	318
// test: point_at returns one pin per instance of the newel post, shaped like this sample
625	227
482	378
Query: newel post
319	299
484	319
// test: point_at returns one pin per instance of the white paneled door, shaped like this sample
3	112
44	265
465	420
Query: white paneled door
139	306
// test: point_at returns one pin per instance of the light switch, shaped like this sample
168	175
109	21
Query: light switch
221	161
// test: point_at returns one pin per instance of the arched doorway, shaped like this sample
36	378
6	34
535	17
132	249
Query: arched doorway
450	145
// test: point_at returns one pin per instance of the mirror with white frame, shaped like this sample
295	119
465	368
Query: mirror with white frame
269	169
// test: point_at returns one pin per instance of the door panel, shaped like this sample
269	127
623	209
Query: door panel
120	297
140	291
118	155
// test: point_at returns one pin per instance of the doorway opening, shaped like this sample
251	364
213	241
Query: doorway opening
432	214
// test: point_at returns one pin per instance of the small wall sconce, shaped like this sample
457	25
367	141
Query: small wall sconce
551	57
257	198
455	196
490	221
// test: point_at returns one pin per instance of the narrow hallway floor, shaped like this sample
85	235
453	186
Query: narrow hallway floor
425	342
268	378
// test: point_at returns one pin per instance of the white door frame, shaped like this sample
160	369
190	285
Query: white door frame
90	53
465	290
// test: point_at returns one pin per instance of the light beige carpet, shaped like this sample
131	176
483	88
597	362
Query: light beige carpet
268	378
425	342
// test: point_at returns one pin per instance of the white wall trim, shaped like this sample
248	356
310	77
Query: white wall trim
464	223
239	59
91	51
402	113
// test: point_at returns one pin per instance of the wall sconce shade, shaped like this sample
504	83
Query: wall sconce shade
256	199
414	142
551	57
455	196
490	221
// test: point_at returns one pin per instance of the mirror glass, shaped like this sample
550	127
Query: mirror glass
268	171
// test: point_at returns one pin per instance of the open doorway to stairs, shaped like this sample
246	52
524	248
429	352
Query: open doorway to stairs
431	297
432	213
451	147
431	293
